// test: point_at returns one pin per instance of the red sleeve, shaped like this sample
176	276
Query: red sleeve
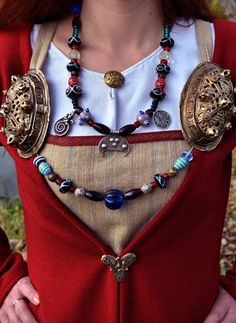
225	56
15	54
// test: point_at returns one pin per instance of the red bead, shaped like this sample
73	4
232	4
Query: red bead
76	47
73	80
160	82
59	181
164	61
153	184
75	60
137	124
167	49
72	189
90	122
161	75
166	176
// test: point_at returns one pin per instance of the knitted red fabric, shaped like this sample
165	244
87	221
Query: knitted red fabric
176	275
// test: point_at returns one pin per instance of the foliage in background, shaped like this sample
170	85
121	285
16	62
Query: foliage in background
218	9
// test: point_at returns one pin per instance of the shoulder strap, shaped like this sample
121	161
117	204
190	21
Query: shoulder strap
204	40
43	40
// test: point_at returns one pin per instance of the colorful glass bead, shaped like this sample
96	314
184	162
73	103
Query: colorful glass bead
65	186
84	116
146	188
180	163
163	68
157	93
167	42
73	80
45	169
74	54
73	91
143	118
165	55
72	41
38	160
76	9
160	82
73	67
188	155
114	199
80	191
160	180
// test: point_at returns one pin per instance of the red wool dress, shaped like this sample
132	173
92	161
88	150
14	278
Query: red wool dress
176	275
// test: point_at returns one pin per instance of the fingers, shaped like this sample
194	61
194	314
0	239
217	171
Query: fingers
28	291
15	308
23	312
219	309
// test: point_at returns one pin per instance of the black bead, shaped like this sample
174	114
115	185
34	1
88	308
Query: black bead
167	42
127	130
73	91
65	186
158	94
72	41
132	194
163	68
94	196
73	67
155	104
101	128
160	180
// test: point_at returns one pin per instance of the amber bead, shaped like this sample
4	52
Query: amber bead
90	122
59	181
73	80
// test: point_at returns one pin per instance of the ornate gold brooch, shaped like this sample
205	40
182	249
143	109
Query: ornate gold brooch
26	112
207	106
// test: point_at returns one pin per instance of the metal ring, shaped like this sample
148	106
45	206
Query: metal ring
16	301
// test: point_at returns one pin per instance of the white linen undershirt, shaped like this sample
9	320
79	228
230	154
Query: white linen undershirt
118	107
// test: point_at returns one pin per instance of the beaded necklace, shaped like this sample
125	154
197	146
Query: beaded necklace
114	140
113	199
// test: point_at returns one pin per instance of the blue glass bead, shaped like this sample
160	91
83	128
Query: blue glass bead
65	186
188	155
76	8
180	163
114	199
38	160
160	180
45	169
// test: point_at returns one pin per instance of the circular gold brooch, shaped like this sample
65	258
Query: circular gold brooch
26	112
114	79
207	106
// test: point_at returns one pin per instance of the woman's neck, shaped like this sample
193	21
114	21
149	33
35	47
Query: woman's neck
115	33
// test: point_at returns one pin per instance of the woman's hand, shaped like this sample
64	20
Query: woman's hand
224	309
14	308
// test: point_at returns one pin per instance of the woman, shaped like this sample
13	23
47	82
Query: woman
170	239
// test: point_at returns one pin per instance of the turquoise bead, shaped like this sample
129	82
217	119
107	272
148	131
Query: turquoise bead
180	163
45	169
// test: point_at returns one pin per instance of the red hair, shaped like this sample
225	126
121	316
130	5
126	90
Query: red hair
44	10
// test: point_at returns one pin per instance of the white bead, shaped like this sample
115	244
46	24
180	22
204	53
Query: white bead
74	54
80	191
146	188
165	55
